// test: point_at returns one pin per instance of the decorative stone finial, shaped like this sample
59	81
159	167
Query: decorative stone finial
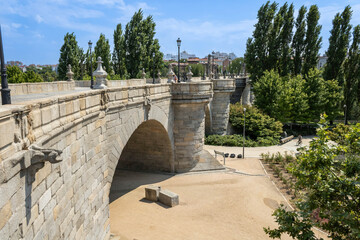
189	74
159	75
143	74
69	73
170	74
100	75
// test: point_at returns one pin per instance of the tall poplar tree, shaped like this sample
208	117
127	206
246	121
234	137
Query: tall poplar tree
140	45
352	72
102	49
285	41
118	56
312	40
257	47
70	53
298	44
338	44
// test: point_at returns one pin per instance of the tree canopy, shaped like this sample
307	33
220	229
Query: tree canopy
328	175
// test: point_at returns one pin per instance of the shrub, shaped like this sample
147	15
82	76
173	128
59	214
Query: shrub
258	126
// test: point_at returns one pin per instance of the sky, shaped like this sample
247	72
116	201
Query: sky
33	30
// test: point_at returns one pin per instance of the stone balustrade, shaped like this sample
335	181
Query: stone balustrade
40	87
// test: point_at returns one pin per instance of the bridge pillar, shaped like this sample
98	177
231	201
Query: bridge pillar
189	100
220	105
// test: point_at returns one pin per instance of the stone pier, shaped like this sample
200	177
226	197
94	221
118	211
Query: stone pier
220	105
189	101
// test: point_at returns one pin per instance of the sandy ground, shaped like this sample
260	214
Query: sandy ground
213	205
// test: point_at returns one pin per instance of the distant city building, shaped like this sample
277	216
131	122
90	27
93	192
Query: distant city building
185	55
170	57
322	61
222	56
14	63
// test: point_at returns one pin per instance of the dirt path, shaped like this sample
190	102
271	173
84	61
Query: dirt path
213	205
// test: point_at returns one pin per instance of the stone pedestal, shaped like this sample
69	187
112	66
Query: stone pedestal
220	105
100	75
189	101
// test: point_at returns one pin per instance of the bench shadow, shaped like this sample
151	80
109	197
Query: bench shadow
144	200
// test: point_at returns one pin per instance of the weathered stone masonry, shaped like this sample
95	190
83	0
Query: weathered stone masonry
58	156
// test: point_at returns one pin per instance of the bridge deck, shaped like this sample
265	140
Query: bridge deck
30	97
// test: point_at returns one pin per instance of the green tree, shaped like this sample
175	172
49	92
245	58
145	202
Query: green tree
31	76
292	102
338	44
285	40
196	69
312	40
118	56
102	49
334	96
315	90
257	47
328	176
352	72
69	54
267	90
236	65
298	43
140	45
14	74
259	126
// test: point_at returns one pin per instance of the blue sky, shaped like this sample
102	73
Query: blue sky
33	30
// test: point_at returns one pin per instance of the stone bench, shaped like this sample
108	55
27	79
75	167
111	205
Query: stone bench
152	193
287	139
168	198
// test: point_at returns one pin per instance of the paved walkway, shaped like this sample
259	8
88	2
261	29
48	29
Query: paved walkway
213	204
255	152
30	97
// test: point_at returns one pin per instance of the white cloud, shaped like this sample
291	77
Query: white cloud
38	18
15	25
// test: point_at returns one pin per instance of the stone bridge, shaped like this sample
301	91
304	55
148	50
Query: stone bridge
58	155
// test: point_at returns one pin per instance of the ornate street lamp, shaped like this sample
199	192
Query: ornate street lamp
213	63
5	91
153	55
244	134
178	41
91	68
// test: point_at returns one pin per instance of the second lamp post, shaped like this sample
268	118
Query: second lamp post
91	69
178	41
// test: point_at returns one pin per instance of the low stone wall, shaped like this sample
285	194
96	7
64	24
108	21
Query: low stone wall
30	88
113	83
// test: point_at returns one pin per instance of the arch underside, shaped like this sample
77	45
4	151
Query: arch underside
148	149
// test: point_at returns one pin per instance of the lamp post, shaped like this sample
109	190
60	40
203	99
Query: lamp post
178	41
153	55
345	119
91	68
213	63
5	91
244	134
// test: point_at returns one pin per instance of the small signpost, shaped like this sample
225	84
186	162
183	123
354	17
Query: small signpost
220	153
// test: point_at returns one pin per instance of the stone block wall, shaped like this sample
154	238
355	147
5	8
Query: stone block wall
31	88
220	105
58	156
189	101
67	197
